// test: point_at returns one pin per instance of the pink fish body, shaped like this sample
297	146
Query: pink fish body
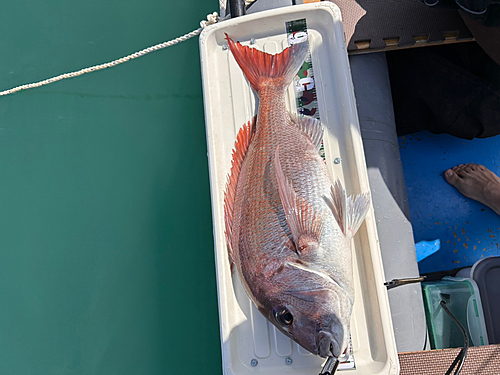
288	225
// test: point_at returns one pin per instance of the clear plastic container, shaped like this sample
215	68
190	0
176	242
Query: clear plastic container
463	300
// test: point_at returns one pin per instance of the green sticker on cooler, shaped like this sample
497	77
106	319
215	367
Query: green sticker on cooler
305	87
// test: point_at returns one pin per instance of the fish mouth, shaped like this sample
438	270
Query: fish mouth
327	346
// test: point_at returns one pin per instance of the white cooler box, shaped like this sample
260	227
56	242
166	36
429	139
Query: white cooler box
251	345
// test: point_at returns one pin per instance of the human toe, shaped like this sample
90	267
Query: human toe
469	168
462	171
452	177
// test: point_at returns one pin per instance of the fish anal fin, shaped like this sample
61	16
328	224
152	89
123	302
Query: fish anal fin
348	212
303	219
357	208
309	125
243	140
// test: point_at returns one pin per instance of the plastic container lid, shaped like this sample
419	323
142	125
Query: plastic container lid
486	273
463	300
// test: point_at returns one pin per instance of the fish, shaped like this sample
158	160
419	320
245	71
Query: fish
288	224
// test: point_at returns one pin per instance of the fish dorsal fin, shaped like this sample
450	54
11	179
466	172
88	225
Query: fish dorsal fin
349	212
310	126
243	140
260	68
302	218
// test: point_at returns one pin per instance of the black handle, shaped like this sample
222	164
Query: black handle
330	366
237	8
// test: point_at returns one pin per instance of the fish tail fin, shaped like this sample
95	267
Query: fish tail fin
262	69
349	212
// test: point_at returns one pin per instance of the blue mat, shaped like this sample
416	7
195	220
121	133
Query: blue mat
467	230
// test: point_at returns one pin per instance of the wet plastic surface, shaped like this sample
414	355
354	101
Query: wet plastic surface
468	230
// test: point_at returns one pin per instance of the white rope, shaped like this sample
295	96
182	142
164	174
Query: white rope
211	19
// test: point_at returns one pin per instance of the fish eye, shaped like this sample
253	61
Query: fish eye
284	317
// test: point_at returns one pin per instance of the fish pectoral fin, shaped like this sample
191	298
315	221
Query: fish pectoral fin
348	212
303	219
309	125
241	145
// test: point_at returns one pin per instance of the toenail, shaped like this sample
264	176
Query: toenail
449	173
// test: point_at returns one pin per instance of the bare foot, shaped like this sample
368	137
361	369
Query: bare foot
476	182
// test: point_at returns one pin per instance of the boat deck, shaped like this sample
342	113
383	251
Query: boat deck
468	230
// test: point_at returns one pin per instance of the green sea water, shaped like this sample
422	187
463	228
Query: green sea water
106	247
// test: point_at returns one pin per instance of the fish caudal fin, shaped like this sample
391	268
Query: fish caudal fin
243	140
261	67
349	212
302	218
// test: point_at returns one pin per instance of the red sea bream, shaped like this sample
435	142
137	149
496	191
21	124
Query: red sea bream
289	226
